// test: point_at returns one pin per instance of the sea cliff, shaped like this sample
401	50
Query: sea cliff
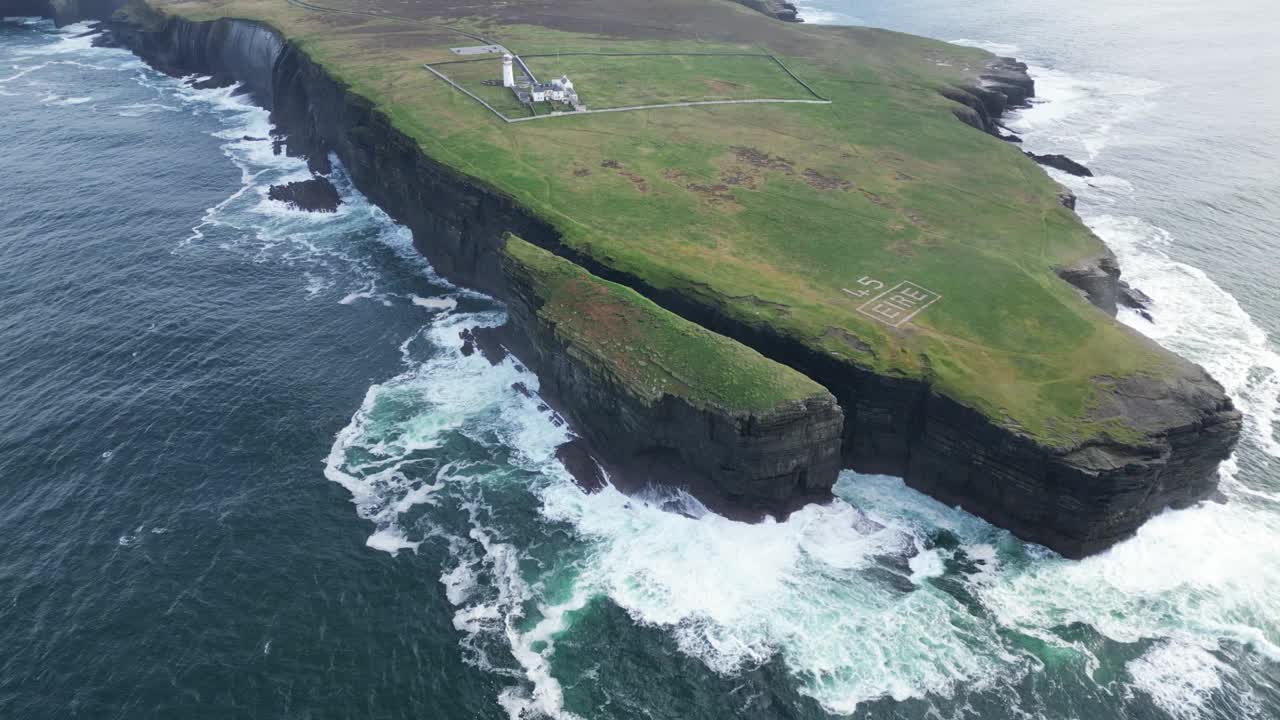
1077	499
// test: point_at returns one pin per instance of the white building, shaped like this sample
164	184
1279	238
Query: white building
530	91
558	90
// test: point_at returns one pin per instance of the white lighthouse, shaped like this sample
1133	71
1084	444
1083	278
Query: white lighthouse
508	74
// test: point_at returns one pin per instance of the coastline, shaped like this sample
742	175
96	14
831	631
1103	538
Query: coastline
935	440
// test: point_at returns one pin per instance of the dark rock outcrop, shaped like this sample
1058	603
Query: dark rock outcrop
1076	500
1002	85
1132	297
314	195
1063	163
780	9
1097	278
586	472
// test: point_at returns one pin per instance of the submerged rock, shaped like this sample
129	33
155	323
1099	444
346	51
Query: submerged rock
488	342
314	195
585	470
1132	297
1063	163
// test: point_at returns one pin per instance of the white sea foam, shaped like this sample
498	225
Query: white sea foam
1082	112
392	541
1179	678
1005	49
69	39
435	303
735	594
1198	319
140	109
824	16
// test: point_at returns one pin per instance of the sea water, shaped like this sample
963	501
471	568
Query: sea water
250	473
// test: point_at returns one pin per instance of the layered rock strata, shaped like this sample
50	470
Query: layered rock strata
630	375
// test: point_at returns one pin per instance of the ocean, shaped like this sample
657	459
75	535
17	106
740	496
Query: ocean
249	473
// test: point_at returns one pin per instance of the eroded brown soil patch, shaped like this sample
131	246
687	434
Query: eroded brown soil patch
637	180
738	177
715	193
763	160
818	181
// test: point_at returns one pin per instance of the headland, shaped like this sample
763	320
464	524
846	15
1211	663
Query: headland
765	291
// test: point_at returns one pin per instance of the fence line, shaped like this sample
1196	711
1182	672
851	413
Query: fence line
472	95
692	103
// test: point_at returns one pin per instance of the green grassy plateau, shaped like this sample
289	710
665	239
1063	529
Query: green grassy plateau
766	211
650	350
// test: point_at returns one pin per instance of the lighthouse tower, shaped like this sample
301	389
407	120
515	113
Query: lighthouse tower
508	75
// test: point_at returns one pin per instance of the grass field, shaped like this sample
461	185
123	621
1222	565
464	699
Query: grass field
616	81
768	212
651	350
472	75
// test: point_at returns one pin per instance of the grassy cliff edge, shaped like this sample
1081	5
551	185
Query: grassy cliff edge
652	352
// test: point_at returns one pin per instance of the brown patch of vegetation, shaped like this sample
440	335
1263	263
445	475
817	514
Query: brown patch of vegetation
818	181
581	172
738	177
722	87
637	180
716	193
641	184
763	160
849	339
874	198
902	247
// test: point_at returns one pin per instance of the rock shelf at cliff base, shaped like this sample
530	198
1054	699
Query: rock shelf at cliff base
925	275
315	195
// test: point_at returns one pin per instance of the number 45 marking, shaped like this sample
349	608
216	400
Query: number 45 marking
869	286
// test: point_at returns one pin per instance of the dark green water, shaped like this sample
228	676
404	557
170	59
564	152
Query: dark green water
247	472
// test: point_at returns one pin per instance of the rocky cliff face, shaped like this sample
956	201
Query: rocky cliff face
1075	500
1002	85
780	9
763	458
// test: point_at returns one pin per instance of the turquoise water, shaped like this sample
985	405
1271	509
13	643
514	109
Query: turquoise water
250	473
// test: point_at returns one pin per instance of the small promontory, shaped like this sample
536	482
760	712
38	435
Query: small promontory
664	394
